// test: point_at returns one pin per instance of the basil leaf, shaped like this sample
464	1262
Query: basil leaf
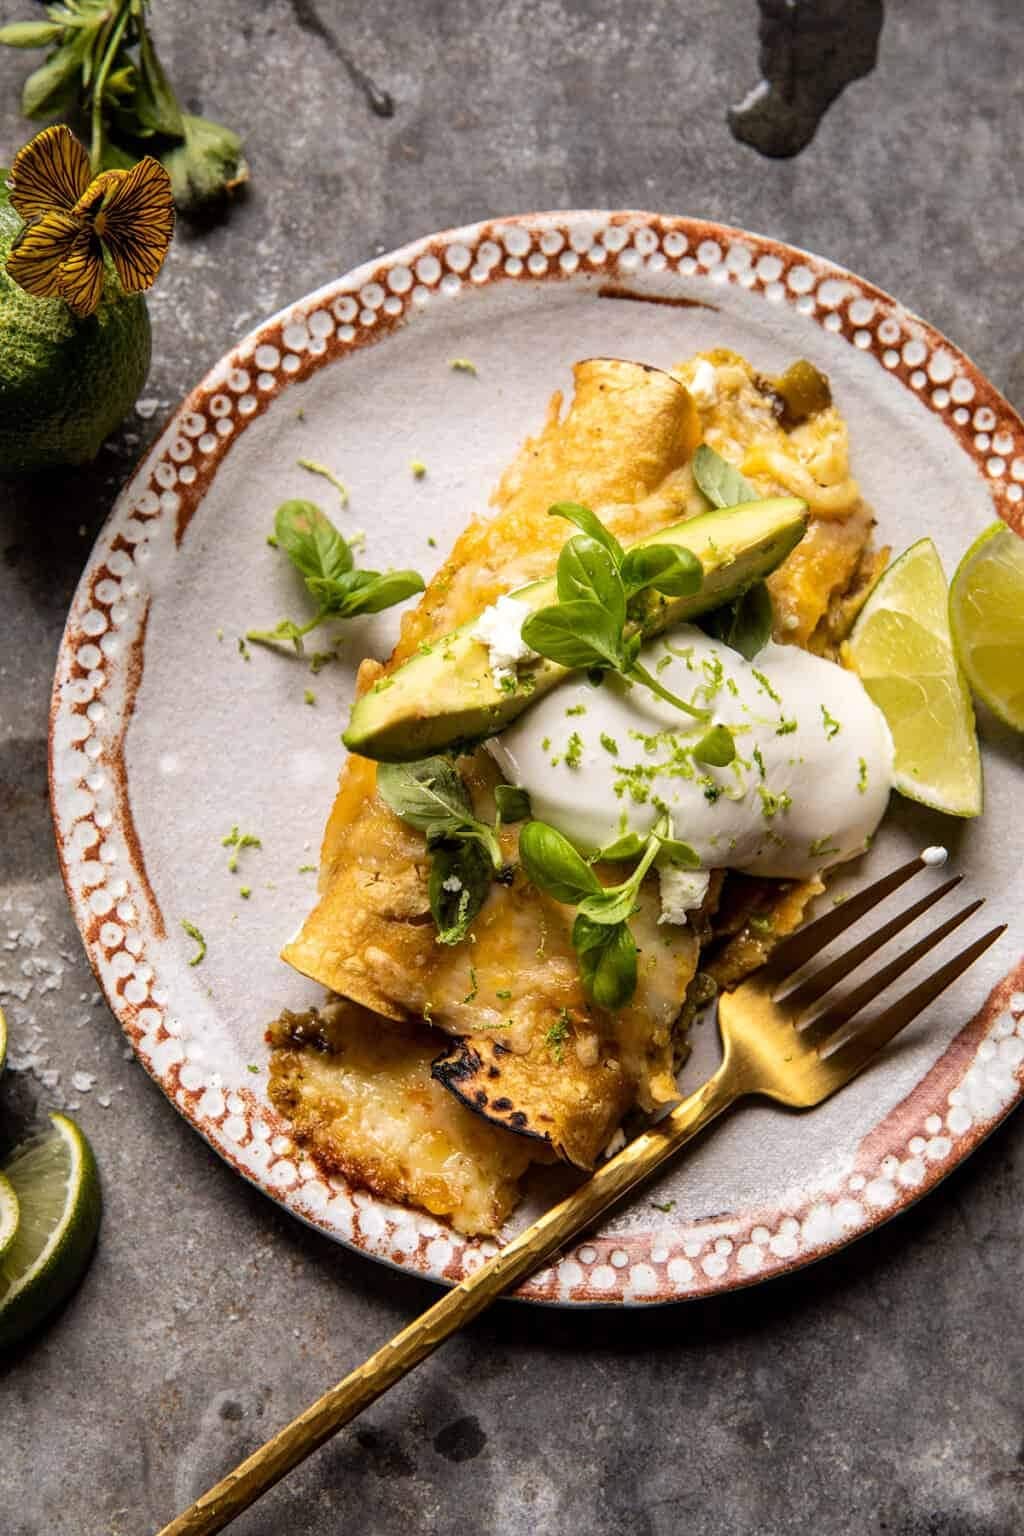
513	803
629	846
459	880
587	572
745	624
615	904
668	569
591	525
53	87
372	592
716	747
607	961
553	865
428	795
311	541
721	482
679	853
576	634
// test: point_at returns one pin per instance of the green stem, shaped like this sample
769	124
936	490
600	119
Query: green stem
641	675
110	48
270	636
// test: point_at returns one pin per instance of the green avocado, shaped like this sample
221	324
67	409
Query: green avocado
445	699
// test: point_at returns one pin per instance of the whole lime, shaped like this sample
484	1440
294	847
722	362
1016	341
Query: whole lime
64	383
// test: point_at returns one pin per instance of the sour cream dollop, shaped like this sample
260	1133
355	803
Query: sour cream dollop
808	787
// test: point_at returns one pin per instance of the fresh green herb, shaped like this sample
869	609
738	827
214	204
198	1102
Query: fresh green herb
315	468
630	845
862	775
586	628
745	624
471	994
324	559
418	468
236	841
606	954
720	481
554	866
252	1067
462	365
786	728
610	744
309	697
574	750
243	649
557	1035
512	802
464	851
196	936
104	69
764	685
717	747
712	791
832	726
319	659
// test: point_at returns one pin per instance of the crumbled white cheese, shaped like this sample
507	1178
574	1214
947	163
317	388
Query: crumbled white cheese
500	628
453	883
682	891
934	857
616	1144
82	1082
703	387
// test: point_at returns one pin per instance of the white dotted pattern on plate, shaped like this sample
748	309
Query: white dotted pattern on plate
104	874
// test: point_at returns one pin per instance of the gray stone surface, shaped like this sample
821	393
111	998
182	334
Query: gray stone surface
881	1392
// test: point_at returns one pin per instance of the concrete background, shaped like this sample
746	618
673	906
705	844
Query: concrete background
881	1392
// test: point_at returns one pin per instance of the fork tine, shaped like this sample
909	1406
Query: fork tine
807	942
846	1008
824	980
854	1053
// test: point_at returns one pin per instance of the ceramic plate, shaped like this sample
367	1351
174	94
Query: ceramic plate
164	735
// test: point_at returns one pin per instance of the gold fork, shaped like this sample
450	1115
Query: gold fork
774	1047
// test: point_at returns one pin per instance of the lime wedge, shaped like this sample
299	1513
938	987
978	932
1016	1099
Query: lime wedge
9	1215
902	650
986	611
57	1185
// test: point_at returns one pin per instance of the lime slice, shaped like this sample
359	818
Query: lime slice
902	650
986	611
8	1214
58	1189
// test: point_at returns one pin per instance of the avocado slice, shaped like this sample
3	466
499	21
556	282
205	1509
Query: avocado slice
447	700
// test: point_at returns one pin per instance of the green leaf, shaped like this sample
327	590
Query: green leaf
372	592
430	796
586	572
206	167
513	803
30	34
553	865
590	524
745	624
615	903
607	961
53	87
716	747
674	572
458	883
311	541
155	101
576	634
721	482
679	853
629	846
286	630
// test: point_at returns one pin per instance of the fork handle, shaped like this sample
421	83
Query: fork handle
525	1253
